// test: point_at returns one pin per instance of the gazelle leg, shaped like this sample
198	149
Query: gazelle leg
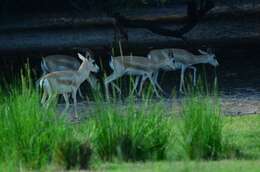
66	98
116	87
158	86
37	84
51	95
144	77
112	77
106	91
50	99
74	92
155	78
80	93
183	68
109	79
215	78
154	85
44	96
194	74
136	84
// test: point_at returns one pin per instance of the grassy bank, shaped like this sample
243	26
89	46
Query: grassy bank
187	166
243	133
244	152
33	137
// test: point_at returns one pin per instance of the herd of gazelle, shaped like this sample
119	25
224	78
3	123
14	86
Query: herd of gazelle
64	74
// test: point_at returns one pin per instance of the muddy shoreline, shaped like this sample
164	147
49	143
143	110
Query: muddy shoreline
230	105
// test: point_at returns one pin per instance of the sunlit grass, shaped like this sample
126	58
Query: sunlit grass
202	128
243	133
131	132
187	166
29	133
33	137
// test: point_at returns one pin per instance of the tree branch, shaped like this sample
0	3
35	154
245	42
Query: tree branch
194	14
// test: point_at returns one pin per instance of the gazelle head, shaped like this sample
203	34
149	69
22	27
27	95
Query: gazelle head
88	54
211	58
88	64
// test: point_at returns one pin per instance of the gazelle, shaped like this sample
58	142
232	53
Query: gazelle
182	60
53	63
135	65
64	82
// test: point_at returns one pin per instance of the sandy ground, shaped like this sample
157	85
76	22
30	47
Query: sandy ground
230	104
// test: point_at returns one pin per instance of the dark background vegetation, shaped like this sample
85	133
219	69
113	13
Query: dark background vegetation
14	7
10	8
231	71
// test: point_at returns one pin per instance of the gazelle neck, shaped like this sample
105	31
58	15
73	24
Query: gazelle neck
201	58
83	73
161	63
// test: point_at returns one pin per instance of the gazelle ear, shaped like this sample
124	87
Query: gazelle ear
210	50
165	54
88	55
82	57
202	52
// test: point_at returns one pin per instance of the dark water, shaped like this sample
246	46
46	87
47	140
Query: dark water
239	72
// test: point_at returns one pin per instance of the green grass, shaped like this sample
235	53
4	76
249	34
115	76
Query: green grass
184	166
202	128
36	138
29	133
243	133
131	133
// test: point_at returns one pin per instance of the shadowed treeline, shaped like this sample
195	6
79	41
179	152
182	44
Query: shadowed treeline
14	7
19	7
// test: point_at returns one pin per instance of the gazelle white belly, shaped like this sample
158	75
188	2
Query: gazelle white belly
131	71
57	86
63	89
